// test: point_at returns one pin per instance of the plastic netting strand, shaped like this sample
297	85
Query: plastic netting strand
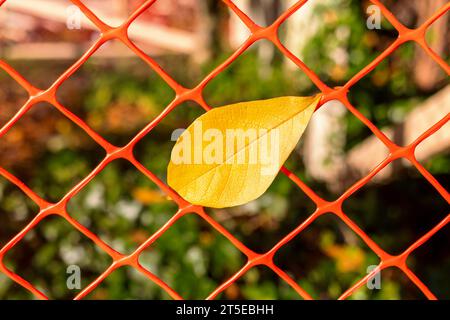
195	94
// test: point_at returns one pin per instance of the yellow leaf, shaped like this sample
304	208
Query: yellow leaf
230	155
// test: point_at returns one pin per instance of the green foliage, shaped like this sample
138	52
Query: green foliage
124	208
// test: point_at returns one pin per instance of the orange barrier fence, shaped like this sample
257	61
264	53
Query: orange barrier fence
195	94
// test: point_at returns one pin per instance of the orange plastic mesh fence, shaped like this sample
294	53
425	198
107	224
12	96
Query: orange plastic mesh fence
195	94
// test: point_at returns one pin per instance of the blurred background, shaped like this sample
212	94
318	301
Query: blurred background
117	94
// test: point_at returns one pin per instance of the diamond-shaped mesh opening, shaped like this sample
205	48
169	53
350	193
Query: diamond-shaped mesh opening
336	39
16	210
138	287
51	264
261	223
41	45
388	94
430	260
262	63
392	100
394	214
122	206
326	244
192	257
425	76
154	150
111	92
44	140
259	283
389	284
169	32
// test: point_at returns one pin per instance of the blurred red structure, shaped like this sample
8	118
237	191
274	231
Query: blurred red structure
195	94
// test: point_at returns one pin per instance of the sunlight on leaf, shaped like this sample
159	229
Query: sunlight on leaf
231	155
